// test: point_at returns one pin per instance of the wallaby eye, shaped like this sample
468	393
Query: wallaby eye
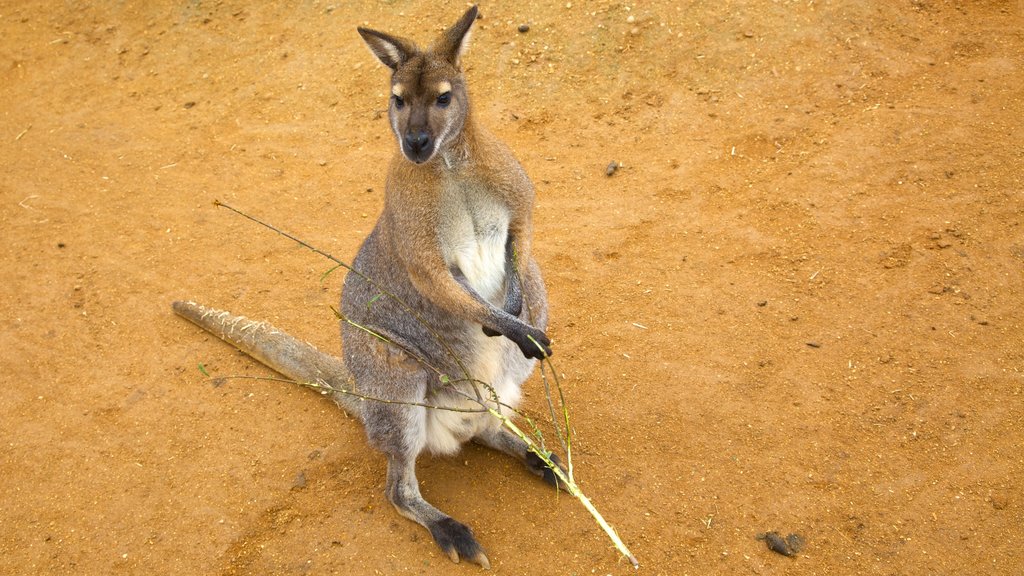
444	100
399	103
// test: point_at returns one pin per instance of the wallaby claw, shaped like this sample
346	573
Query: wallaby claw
482	560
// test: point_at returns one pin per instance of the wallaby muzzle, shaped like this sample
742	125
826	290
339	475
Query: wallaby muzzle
418	146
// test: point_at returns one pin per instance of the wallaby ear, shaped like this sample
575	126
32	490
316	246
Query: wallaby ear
455	40
391	51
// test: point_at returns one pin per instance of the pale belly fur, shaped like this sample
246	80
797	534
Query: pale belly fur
504	372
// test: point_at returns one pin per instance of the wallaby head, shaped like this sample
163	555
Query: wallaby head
429	103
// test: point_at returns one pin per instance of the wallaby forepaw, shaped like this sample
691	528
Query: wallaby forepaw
457	541
535	344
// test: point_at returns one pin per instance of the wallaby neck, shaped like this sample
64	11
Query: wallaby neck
461	151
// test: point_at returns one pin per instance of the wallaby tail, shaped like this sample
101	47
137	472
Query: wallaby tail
278	350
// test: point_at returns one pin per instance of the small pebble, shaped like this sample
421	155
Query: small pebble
789	546
612	167
524	28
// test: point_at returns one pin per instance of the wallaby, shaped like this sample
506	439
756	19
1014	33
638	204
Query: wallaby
444	292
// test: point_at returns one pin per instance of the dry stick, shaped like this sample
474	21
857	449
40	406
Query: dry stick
566	479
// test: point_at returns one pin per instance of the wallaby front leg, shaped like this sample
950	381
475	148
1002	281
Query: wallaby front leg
446	286
532	342
513	285
454	537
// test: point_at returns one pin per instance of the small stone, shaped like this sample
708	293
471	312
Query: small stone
524	28
612	167
789	546
300	481
189	104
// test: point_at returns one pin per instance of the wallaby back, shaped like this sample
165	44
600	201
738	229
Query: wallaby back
295	359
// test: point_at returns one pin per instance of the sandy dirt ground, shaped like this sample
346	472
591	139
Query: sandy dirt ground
797	306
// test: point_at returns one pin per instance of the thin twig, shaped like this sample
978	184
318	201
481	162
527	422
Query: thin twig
567	444
26	206
326	388
364	277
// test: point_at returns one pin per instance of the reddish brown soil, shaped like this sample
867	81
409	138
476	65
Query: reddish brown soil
798	306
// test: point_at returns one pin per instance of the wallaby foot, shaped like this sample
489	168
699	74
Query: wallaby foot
538	467
502	440
457	541
454	538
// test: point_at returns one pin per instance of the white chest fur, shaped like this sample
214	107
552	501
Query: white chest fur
474	230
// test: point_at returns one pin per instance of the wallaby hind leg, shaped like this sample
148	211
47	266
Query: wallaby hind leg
399	430
454	537
502	440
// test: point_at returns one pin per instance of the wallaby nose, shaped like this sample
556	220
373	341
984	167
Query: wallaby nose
417	141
